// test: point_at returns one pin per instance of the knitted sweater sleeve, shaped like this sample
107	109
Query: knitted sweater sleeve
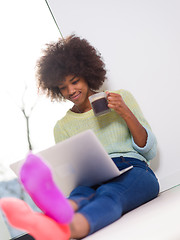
150	149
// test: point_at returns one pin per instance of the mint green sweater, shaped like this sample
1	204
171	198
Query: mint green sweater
110	129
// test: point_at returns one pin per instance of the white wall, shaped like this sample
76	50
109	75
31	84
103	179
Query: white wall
139	40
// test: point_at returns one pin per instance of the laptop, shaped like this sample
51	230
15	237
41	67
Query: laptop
78	160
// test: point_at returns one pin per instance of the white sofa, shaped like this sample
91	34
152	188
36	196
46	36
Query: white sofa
158	219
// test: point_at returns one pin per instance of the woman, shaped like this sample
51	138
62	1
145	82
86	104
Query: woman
71	69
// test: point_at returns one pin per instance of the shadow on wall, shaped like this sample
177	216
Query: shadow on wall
155	163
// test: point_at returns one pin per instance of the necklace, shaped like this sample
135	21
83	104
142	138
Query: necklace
78	109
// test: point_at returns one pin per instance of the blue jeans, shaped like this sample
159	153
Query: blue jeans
105	203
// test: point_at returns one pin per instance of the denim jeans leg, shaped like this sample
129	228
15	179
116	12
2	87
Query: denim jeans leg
82	195
119	196
102	210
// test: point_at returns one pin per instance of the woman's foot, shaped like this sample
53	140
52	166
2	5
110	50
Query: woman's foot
40	226
37	179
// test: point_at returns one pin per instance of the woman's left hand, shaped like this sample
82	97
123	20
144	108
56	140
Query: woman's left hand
116	102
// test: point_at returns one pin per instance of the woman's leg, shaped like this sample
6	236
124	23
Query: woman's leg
78	198
79	227
37	179
46	195
98	208
40	226
120	195
81	196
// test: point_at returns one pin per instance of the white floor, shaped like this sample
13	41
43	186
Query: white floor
157	220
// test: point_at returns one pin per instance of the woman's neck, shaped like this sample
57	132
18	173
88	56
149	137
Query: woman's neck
78	109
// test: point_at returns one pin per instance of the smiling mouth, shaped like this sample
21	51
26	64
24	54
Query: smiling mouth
74	97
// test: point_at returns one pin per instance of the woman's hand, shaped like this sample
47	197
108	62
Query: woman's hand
116	102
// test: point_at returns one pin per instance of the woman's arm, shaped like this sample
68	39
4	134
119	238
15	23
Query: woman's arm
138	132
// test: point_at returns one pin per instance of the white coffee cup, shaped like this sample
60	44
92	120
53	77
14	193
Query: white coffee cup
99	103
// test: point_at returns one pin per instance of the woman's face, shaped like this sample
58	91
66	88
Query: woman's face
76	90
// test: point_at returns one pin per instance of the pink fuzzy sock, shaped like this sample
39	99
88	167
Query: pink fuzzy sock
37	179
40	226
